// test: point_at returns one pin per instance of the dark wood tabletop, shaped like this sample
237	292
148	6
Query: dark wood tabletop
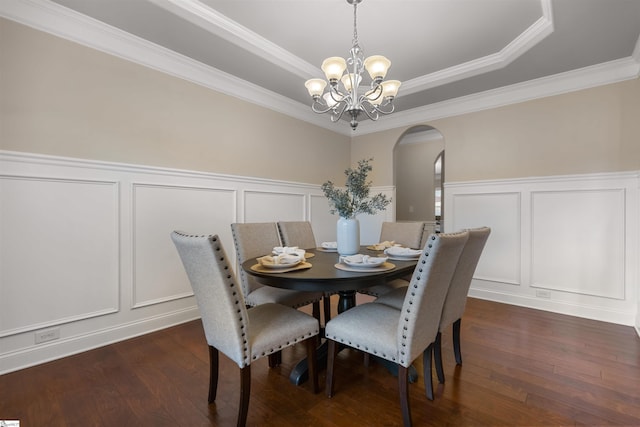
325	277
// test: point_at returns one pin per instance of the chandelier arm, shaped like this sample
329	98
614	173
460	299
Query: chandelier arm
333	92
373	114
388	102
335	116
320	108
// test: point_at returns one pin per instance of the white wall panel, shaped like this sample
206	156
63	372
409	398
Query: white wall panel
500	261
59	251
578	241
85	246
574	239
267	206
322	221
157	211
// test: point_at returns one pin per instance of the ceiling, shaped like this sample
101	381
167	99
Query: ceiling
451	55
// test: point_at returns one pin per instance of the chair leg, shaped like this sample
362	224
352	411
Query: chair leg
326	302
426	371
332	350
437	356
316	310
275	359
213	373
312	362
245	391
403	388
456	341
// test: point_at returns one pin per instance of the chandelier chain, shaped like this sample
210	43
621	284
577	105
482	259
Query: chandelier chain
354	42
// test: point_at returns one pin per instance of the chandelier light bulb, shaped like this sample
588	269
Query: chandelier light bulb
390	88
315	86
377	66
329	100
334	68
375	96
350	80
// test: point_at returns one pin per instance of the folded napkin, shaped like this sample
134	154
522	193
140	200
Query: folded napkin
282	259
329	245
400	251
363	259
289	250
382	245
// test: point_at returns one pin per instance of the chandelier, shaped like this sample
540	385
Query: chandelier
344	93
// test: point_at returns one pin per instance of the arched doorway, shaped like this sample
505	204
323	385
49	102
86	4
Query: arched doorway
418	165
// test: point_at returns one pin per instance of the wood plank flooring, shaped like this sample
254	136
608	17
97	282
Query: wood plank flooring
521	367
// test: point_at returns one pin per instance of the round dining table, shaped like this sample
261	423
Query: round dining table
327	274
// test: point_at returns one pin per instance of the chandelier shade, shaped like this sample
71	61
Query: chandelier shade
377	66
344	77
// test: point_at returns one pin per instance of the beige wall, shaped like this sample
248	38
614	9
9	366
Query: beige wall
594	130
64	99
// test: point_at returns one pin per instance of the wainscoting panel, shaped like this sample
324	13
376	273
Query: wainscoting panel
322	221
578	242
500	261
59	246
573	239
157	211
266	206
86	252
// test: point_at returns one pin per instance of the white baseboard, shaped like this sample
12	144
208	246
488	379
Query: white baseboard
584	311
31	356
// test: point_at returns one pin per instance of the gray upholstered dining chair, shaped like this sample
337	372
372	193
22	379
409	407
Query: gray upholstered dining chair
456	299
300	234
256	239
407	234
297	233
242	334
400	336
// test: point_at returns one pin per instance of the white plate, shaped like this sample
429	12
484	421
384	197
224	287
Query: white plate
329	246
403	253
360	261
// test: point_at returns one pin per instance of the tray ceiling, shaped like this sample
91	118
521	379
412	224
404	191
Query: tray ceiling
444	51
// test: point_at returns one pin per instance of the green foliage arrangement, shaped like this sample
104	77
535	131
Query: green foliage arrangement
354	199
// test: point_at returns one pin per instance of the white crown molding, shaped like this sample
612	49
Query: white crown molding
636	51
216	23
60	21
525	41
570	81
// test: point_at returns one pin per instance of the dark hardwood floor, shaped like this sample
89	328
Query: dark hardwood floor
521	367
